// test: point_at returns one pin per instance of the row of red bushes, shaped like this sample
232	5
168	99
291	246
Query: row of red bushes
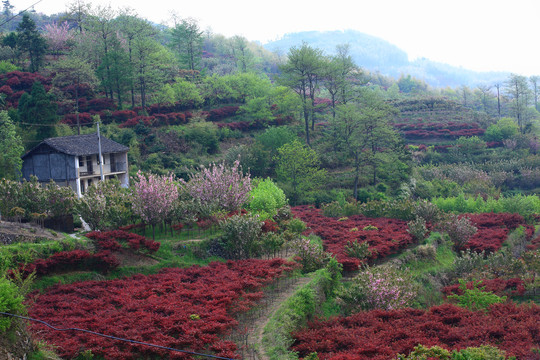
111	240
185	308
104	261
380	334
391	234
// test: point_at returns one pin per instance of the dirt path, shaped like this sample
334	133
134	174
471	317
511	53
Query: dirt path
282	296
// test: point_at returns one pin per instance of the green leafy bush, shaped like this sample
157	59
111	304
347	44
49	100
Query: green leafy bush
358	250
417	228
11	301
266	198
484	352
241	237
475	298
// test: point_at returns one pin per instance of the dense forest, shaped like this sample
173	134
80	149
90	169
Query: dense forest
285	203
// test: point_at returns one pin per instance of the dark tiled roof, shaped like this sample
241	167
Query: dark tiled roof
83	145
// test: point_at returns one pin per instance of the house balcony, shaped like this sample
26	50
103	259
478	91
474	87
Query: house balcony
108	169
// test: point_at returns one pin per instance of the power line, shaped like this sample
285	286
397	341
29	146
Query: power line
19	13
58	124
115	338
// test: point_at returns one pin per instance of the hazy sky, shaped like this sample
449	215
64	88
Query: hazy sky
480	35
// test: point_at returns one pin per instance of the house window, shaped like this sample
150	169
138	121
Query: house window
81	161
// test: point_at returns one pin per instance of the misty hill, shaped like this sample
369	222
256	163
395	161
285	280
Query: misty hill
375	54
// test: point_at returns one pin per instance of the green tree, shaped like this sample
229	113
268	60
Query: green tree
74	71
31	42
187	92
187	39
133	30
101	31
11	149
302	72
411	85
362	131
38	109
152	62
517	89
299	166
337	77
77	12
242	54
535	90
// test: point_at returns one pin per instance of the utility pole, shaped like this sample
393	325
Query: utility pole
100	156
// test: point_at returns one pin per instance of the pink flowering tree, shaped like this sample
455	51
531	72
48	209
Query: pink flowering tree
153	198
219	187
59	37
382	287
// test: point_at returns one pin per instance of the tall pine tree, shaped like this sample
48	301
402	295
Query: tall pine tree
37	112
31	42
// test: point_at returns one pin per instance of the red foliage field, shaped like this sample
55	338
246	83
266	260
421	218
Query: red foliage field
390	236
380	334
493	229
189	309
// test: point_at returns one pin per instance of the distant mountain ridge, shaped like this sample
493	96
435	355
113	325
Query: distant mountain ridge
375	54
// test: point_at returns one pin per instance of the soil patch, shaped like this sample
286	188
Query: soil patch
12	232
128	258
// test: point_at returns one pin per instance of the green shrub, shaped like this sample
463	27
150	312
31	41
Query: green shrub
297	226
205	134
417	228
266	198
358	250
333	209
475	298
484	352
241	237
11	301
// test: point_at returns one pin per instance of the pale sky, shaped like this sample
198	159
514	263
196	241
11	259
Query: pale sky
482	35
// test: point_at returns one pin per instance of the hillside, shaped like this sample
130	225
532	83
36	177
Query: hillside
378	55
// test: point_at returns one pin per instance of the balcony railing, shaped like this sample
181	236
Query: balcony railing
86	173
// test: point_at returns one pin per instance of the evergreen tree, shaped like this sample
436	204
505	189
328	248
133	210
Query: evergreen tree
37	112
187	40
31	42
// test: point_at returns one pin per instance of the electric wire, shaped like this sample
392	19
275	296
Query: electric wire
19	13
115	338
